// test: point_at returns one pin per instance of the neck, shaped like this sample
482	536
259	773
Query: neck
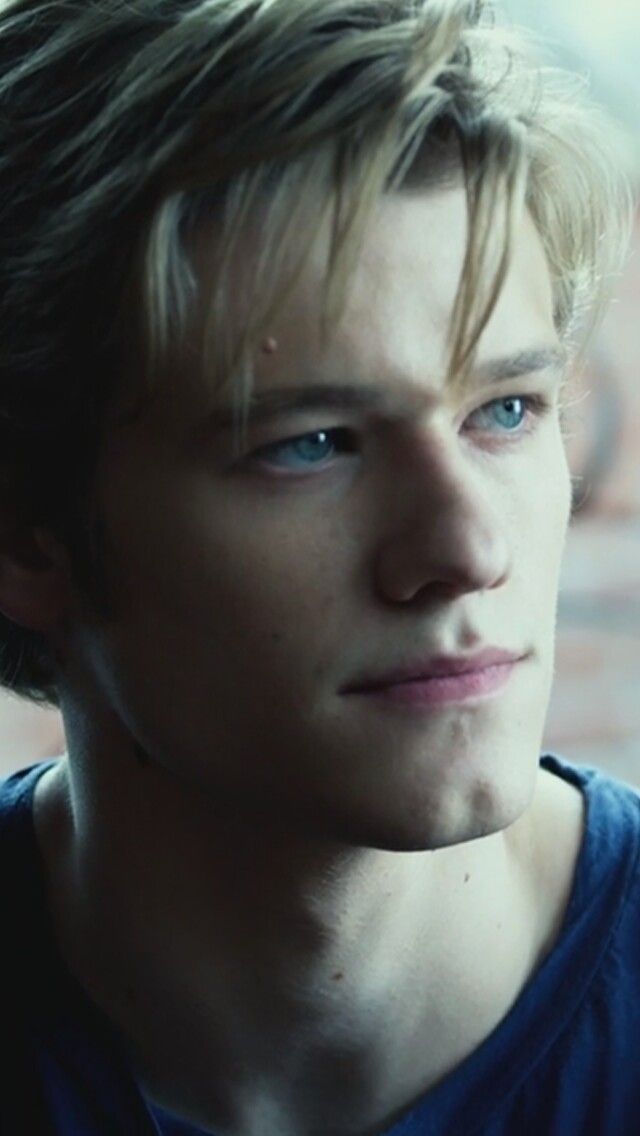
231	953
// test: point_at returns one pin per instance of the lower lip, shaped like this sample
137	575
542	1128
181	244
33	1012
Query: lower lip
443	689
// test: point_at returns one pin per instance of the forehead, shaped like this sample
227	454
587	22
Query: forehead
398	314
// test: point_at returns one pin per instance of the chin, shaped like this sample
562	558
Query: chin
434	813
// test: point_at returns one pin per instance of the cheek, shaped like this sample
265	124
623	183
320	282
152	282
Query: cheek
225	591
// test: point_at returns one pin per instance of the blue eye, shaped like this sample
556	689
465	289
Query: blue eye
312	448
506	413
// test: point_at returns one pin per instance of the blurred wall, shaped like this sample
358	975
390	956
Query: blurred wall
595	709
598	38
28	733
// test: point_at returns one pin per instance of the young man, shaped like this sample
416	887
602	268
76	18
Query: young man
302	871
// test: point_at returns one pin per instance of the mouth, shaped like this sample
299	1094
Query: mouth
442	679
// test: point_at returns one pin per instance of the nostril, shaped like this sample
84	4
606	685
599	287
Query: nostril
444	557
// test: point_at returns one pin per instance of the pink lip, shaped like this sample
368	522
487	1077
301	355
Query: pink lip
441	679
442	689
437	666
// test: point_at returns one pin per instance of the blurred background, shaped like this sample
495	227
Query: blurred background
595	709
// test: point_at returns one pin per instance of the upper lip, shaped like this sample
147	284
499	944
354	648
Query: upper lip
433	665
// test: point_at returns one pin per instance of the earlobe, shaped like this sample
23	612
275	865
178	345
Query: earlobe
34	580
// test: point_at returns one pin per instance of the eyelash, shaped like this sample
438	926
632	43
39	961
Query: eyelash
535	407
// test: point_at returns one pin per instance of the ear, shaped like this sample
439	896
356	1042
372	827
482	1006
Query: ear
35	588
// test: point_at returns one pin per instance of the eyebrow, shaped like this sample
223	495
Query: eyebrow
275	401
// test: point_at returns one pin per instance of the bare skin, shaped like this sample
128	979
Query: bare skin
302	911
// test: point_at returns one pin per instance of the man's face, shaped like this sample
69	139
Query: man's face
251	589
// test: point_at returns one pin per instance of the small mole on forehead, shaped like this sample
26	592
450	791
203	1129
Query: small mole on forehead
270	346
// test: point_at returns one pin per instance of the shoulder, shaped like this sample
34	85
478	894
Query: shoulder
16	795
611	807
587	851
606	885
21	872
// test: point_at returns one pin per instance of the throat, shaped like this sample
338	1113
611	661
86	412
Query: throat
352	1066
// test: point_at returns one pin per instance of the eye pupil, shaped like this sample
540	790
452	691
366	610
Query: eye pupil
312	448
508	409
311	442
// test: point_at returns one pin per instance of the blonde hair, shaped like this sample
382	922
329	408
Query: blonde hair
129	124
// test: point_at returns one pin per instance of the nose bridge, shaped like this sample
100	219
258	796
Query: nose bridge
448	529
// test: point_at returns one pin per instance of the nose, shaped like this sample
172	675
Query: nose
452	537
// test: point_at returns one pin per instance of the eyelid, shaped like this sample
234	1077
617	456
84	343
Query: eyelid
544	383
319	422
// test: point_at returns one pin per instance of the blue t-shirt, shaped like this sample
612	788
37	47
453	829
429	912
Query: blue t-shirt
565	1060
